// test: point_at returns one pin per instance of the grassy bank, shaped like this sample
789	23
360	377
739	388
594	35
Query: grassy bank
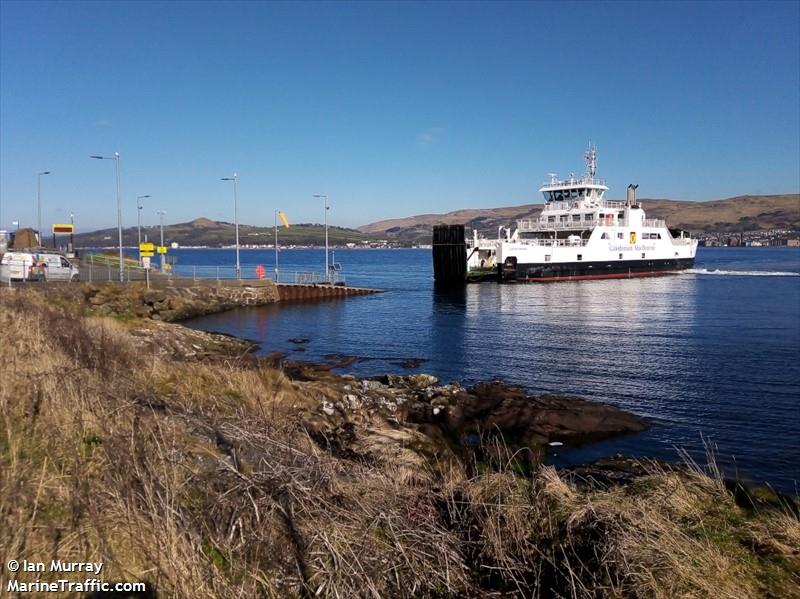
210	473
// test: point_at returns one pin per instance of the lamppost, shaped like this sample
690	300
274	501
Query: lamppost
161	214
115	158
39	202
276	247
72	233
235	216
139	216
327	273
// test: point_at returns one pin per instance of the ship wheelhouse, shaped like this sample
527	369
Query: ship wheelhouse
573	207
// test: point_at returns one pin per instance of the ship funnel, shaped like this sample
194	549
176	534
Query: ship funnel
632	194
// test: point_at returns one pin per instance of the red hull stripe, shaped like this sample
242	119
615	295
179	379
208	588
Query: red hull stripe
619	275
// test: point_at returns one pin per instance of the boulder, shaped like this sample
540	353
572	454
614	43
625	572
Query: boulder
154	296
416	382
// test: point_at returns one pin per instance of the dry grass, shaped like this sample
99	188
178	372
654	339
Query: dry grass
210	480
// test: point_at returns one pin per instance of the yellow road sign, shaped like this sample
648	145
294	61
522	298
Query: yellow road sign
162	249
146	246
62	228
146	254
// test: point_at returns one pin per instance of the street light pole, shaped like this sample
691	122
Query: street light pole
39	202
161	214
115	158
327	273
139	217
235	217
72	233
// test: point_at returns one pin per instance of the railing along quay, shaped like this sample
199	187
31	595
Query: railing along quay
291	284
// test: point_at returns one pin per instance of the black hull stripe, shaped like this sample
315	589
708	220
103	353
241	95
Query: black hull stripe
594	270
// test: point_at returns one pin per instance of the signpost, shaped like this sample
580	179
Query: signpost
69	229
146	249
145	253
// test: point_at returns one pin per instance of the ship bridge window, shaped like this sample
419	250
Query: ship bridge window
588	216
563	218
604	236
559	196
551	219
576	218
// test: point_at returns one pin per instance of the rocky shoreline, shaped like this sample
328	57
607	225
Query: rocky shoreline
182	459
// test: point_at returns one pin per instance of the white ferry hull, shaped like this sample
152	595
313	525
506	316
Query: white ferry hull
610	252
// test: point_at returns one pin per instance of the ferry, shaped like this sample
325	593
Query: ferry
581	235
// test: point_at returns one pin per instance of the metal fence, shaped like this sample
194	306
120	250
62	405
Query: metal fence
254	272
101	270
98	273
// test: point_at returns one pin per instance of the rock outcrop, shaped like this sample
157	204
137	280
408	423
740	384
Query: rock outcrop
462	420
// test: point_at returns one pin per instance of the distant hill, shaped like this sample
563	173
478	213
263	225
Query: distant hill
206	232
741	213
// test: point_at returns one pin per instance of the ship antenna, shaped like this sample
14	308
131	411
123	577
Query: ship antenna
591	160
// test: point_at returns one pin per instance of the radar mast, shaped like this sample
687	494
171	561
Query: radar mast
591	160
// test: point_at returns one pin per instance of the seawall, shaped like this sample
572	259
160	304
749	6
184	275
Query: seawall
293	292
177	299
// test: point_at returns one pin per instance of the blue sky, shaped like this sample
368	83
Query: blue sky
391	109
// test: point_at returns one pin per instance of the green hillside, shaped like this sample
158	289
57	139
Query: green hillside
205	232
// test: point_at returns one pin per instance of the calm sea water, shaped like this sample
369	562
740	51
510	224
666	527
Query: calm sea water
712	354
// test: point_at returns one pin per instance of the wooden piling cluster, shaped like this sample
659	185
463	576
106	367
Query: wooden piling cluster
293	291
449	254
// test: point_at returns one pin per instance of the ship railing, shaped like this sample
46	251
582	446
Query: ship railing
575	181
654	222
528	226
612	204
483	244
590	204
555	242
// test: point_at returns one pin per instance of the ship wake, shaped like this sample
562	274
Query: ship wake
741	273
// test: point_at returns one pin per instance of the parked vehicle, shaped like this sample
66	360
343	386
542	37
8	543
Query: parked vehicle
38	266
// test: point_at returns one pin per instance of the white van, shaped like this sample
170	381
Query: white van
37	266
